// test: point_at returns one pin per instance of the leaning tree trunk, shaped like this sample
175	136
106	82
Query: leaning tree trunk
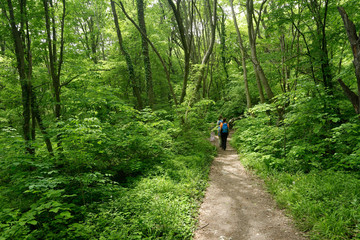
354	40
243	59
167	72
129	63
185	44
206	57
252	41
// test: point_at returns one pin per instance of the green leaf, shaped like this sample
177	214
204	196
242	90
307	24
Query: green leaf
64	215
33	222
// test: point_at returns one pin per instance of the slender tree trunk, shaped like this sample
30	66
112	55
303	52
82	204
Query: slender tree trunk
283	64
206	57
211	79
259	86
2	45
222	34
130	66
185	42
205	82
22	45
355	47
25	80
243	59
37	118
155	50
252	41
325	66
55	63
145	52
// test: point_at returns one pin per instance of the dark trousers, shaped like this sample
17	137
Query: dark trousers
223	140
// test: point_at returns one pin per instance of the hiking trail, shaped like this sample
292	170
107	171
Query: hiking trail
237	207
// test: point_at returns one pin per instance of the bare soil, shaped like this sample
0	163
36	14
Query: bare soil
236	206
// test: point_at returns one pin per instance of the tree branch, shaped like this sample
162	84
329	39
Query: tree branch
154	49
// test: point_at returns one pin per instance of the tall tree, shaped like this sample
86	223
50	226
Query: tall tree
222	34
90	21
243	60
145	52
185	40
354	40
129	63
252	40
22	45
54	62
319	10
144	35
206	57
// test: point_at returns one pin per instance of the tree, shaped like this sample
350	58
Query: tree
145	52
243	60
54	62
185	39
22	45
90	26
144	35
206	57
355	47
320	19
129	63
252	40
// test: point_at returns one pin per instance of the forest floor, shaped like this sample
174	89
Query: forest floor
236	205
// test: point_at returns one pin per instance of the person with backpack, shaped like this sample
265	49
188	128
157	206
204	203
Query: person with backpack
219	122
224	131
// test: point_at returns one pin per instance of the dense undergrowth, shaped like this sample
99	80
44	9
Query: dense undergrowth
120	174
310	161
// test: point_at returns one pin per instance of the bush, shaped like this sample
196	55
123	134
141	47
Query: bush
310	163
113	179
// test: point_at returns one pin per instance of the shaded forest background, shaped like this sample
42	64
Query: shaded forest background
105	107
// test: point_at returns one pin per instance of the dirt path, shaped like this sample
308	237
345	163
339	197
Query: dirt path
237	207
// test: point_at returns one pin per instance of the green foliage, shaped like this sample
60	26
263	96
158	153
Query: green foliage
309	159
132	175
325	204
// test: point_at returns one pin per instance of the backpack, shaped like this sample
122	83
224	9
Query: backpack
225	128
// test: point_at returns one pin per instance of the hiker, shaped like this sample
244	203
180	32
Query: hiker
224	131
218	130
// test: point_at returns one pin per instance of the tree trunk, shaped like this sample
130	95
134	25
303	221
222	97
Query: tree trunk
284	77
259	86
185	42
325	62
243	59
354	99
129	63
355	46
37	118
22	45
55	64
252	41
206	57
222	34
145	52
24	78
156	52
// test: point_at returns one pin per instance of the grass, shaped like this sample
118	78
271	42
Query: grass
162	205
324	204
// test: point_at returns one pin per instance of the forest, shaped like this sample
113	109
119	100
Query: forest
106	108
